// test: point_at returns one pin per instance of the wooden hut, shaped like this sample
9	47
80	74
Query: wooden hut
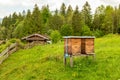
36	39
78	45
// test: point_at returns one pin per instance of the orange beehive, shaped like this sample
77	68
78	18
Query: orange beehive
76	45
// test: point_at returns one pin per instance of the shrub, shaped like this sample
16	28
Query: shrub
66	30
98	33
12	40
55	36
86	31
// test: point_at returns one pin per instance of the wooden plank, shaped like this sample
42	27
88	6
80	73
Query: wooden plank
65	60
13	45
4	52
76	46
89	45
3	58
12	51
7	49
12	48
71	60
67	46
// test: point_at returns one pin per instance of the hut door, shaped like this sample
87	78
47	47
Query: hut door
82	46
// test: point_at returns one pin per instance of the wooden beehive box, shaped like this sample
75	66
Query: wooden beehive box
76	45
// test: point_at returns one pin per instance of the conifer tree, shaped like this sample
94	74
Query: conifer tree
86	12
77	22
45	13
36	20
107	25
98	18
118	30
69	14
55	21
63	10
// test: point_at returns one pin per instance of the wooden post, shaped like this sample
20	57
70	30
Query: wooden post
17	44
66	52
7	51
71	60
65	60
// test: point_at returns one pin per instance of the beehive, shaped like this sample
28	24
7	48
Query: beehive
76	45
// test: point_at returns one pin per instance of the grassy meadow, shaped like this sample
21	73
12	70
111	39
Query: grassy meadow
46	63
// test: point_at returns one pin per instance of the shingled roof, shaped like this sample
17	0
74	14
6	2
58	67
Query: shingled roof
38	35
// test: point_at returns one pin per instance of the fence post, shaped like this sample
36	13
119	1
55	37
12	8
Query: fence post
17	45
71	60
7	51
12	48
65	61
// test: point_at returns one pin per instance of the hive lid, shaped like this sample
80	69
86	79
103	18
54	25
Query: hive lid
79	37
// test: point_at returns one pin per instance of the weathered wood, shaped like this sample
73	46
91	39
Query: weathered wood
71	60
8	49
12	51
3	58
76	46
4	52
89	45
79	46
36	39
12	48
65	61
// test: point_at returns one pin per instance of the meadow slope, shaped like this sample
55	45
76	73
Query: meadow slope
46	63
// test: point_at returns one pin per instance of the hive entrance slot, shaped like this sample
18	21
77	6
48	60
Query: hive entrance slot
83	46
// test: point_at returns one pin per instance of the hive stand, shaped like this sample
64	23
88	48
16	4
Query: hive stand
78	46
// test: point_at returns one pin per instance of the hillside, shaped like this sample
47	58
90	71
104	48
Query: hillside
46	63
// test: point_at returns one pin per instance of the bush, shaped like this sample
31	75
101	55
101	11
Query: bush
49	31
12	40
66	30
86	31
55	36
98	33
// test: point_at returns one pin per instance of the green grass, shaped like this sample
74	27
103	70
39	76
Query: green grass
4	46
46	63
8	43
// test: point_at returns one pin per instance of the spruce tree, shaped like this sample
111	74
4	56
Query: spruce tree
118	13
77	22
36	20
98	18
66	30
45	14
28	27
87	16
115	20
69	14
63	10
107	25
55	21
